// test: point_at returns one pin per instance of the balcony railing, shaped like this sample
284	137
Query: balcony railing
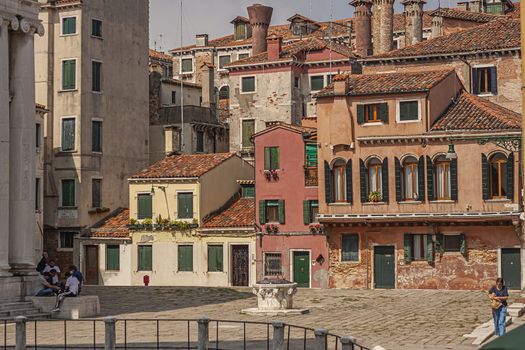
310	176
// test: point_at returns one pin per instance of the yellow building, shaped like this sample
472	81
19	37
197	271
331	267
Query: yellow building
189	223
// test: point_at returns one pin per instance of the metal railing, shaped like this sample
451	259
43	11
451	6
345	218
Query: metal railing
202	334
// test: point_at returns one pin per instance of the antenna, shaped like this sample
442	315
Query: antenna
330	35
160	46
181	89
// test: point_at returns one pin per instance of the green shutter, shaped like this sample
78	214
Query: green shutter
407	247
398	174
68	134
68	74
262	212
384	178
68	193
113	257
215	256
311	155
493	81
185	258
274	158
360	114
145	208
430	179
96	136
328	183
510	176
430	249
475	86
248	84
69	25
485	171
462	244
421	179
349	184
96	72
454	179
383	112
363	185
185	205
281	211
145	258
306	212
267	157
440	243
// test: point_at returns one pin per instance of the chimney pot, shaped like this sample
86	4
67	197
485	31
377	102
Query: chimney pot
413	21
260	18
201	40
363	27
274	43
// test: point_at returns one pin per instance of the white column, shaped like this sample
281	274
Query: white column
4	147
22	150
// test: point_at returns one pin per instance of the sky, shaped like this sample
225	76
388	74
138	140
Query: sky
213	16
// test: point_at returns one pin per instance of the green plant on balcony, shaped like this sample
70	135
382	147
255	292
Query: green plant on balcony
375	196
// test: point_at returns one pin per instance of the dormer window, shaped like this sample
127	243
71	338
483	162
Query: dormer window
299	28
240	31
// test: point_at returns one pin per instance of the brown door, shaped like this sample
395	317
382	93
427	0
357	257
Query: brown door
91	264
240	270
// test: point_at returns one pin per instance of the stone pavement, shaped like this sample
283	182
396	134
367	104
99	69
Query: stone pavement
394	319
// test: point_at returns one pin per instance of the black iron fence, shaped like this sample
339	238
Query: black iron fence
202	334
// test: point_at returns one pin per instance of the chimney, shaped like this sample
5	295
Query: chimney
260	17
274	43
464	6
207	81
201	40
437	26
363	27
476	6
376	26
413	21
387	25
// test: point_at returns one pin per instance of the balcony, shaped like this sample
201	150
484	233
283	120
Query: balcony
310	176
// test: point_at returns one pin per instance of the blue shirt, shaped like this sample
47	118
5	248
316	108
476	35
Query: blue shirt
78	275
500	293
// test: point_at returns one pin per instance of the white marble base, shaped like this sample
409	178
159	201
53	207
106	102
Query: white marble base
70	308
16	288
283	312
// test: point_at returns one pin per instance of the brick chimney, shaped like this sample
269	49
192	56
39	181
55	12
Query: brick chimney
274	43
208	90
413	21
260	17
376	26
383	26
363	27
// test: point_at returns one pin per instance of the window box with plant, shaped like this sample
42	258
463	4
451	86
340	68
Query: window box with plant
316	228
271	228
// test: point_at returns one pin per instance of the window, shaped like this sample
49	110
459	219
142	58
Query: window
185	258
145	258
443	179
410	179
69	72
316	82
299	28
144	206
350	247
69	25
200	142
96	28
243	56
372	113
174	97
271	158
97	76
248	129
311	165
339	174
452	243
96	136
498	176
272	264
224	93
215	258
248	84
113	257
329	78
272	211
68	193
408	111
419	247
248	191
37	136
310	211
224	60
67	239
484	81
296	82
185	205
37	194
240	31
375	176
186	65
96	193
68	134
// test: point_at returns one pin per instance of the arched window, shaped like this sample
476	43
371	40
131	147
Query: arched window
339	180
498	176
443	178
410	179
375	178
224	93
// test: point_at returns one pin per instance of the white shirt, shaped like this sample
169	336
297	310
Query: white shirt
72	283
56	268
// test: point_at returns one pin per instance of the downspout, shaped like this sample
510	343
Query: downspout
367	253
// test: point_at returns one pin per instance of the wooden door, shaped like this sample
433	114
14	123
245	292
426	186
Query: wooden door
240	266
91	259
384	267
511	267
301	269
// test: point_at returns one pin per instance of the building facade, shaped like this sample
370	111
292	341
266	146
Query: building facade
92	76
418	188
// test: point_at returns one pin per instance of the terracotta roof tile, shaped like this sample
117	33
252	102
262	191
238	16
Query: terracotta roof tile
495	35
310	133
193	165
390	83
470	16
115	226
241	213
160	55
473	113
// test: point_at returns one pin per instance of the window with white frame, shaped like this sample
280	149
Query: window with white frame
273	264
243	55
69	25
247	84
68	134
316	82
186	65
67	239
408	111
224	60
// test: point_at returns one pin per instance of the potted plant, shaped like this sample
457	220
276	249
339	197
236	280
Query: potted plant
268	175
271	228
316	228
148	224
132	224
275	174
375	196
194	223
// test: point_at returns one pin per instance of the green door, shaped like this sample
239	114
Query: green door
384	267
511	267
301	269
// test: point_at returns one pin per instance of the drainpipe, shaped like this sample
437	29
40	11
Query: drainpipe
367	253
522	159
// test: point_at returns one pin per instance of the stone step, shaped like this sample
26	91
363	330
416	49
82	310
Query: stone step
15	305
24	312
32	317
